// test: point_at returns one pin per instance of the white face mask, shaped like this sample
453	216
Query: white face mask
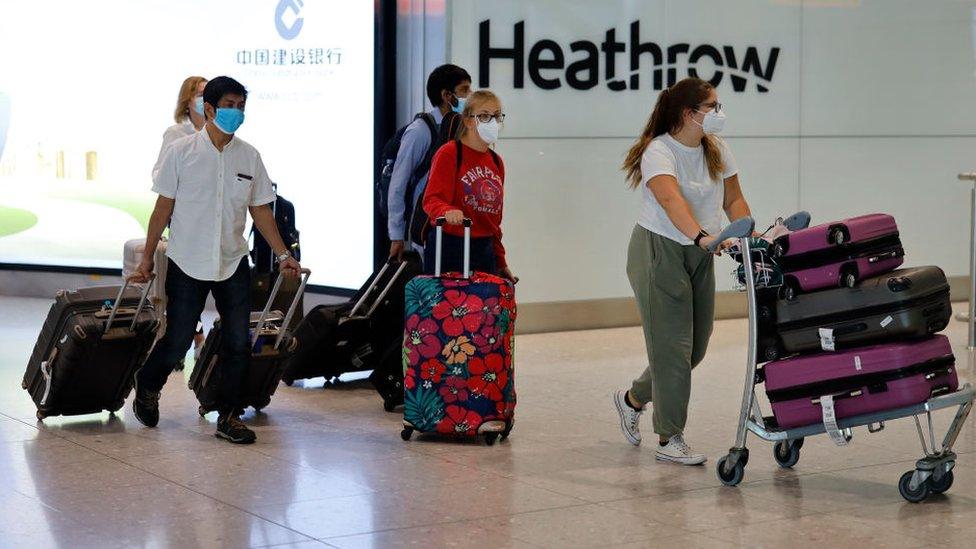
488	131
712	123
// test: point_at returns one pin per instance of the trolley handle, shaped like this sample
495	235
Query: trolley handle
740	228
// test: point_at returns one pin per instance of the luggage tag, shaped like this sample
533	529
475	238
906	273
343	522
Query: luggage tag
827	339
841	437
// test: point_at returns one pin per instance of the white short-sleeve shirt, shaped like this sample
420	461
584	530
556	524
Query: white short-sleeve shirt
213	191
705	197
172	133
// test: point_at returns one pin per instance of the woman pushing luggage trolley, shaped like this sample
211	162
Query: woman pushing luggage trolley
932	473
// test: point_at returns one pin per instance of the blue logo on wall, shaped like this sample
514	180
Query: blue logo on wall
295	6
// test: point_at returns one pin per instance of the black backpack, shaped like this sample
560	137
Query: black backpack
388	159
420	222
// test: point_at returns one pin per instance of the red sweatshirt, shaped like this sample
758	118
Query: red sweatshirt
477	189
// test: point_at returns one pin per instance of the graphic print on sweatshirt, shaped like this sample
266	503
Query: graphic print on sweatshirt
482	190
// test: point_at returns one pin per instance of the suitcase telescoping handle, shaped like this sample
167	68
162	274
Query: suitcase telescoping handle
118	303
439	241
305	273
401	265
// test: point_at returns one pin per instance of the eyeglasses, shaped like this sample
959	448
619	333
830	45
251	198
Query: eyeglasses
485	118
716	105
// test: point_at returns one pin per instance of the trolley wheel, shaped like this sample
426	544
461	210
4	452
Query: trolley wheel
490	438
733	477
942	485
786	454
41	415
912	496
799	442
837	236
406	433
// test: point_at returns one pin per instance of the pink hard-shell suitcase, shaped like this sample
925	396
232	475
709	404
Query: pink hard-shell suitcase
861	381
840	253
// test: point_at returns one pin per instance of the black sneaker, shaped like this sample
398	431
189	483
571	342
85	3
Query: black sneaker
146	405
231	428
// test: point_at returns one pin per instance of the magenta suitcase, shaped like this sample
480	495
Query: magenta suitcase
840	253
862	381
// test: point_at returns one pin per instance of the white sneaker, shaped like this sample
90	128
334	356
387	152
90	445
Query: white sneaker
677	451
629	418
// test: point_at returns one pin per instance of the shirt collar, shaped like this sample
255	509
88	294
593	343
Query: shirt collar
436	113
205	136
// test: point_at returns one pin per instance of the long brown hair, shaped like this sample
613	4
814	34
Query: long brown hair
473	103
188	91
666	118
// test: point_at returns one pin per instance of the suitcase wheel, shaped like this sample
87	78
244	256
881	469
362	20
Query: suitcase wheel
490	438
41	415
837	236
787	453
116	407
389	405
23	384
788	292
848	279
406	433
912	496
771	353
202	411
261	405
508	429
288	382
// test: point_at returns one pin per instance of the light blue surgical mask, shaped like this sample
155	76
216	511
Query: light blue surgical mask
198	105
228	120
459	108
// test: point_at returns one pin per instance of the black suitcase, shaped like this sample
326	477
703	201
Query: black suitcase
351	337
906	303
272	344
387	376
89	347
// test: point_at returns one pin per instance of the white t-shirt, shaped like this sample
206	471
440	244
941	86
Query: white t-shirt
705	197
213	191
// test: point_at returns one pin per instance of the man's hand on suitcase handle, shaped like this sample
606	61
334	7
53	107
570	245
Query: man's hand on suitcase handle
396	250
290	267
143	271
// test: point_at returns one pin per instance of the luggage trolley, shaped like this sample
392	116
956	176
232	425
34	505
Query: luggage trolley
932	473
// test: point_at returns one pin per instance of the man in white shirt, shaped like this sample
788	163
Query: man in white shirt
207	182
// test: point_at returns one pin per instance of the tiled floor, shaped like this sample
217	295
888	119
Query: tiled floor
329	468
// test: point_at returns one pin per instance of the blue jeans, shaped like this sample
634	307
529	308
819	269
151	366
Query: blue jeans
187	297
452	259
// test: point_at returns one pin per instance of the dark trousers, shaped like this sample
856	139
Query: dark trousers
187	297
452	259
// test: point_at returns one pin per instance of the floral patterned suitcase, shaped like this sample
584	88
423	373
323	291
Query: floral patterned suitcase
458	351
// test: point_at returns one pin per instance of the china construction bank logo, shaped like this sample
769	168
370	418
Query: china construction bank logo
550	67
288	18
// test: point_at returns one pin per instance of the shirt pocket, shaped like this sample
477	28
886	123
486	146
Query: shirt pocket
241	187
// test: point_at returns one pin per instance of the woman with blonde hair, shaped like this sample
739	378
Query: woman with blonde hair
688	179
467	180
188	114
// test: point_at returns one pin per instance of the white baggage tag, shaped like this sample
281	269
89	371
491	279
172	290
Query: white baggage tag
887	320
839	437
827	339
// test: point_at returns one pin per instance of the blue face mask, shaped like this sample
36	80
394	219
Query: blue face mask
198	105
228	120
459	108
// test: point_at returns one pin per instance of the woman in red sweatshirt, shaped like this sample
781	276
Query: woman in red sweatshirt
467	179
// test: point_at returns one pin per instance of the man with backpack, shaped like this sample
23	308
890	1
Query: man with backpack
415	145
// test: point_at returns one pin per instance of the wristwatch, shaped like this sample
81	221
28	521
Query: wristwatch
283	256
701	234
